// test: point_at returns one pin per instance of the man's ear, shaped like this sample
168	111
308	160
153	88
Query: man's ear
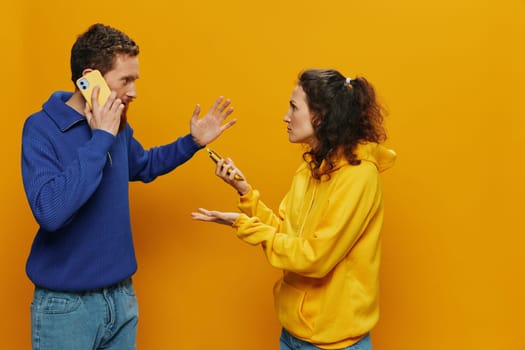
87	70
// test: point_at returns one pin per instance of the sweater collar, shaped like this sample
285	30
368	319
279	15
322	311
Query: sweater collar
62	115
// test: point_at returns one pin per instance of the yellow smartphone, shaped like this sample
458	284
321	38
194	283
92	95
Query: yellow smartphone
88	81
216	157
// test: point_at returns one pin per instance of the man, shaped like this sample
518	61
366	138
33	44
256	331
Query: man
76	165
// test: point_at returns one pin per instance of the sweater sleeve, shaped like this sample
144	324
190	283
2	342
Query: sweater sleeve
55	192
146	165
353	203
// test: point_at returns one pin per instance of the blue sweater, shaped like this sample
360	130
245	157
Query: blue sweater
76	181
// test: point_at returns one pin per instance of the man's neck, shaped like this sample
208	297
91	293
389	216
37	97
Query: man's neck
77	102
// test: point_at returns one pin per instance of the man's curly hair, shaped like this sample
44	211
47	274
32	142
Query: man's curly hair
97	49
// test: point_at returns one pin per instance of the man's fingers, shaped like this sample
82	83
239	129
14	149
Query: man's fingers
223	106
195	116
228	124
87	112
112	101
94	96
217	102
117	104
196	111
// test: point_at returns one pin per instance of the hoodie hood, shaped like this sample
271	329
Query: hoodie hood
382	157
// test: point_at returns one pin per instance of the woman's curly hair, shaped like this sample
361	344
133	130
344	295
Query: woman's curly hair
344	115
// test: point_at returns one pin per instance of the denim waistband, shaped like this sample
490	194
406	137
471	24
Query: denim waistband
124	283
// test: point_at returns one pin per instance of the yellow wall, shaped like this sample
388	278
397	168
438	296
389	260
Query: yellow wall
450	73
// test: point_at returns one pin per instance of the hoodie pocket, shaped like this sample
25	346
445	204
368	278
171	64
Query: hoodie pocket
289	302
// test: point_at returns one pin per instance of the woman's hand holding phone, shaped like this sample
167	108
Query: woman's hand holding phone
227	171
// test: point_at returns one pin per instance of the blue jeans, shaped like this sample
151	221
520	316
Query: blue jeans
289	342
101	319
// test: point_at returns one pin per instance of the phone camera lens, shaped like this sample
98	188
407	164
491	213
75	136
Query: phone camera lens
83	84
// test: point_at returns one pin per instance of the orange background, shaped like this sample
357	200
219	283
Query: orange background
449	72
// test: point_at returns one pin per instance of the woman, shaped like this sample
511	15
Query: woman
326	235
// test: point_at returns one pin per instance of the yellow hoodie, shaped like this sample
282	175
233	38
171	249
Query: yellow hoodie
326	239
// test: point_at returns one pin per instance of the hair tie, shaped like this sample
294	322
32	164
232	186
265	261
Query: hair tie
348	81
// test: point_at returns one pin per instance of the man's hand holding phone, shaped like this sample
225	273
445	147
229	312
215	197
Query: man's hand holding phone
106	117
103	109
